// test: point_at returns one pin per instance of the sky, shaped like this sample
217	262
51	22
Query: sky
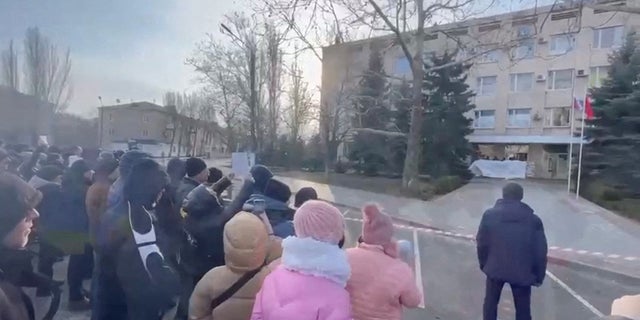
130	50
121	49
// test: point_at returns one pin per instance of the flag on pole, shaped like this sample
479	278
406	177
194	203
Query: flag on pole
584	106
588	109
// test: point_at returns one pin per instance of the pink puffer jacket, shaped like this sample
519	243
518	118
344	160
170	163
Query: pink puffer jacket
308	285
380	285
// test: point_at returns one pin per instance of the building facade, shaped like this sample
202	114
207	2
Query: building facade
527	68
23	118
156	130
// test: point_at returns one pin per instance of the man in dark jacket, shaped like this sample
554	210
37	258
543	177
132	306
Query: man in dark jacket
512	248
276	196
197	173
16	219
47	180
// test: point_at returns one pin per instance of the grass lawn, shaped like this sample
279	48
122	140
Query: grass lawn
373	184
629	208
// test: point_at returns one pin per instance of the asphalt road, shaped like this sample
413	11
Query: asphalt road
454	287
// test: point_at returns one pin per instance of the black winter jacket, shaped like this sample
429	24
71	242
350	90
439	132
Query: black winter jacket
511	244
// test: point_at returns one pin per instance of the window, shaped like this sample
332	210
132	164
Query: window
524	50
111	131
561	44
608	37
402	67
145	118
145	132
519	118
560	79
491	56
525	31
557	117
597	76
487	86
110	117
484	119
521	82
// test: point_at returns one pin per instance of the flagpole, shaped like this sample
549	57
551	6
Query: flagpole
584	115
573	125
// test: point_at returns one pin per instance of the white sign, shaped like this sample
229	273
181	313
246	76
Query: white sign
241	163
507	169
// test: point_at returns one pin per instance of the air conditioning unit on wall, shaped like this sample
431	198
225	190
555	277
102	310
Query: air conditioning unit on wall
581	73
540	78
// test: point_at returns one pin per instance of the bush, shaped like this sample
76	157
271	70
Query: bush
340	167
611	195
446	184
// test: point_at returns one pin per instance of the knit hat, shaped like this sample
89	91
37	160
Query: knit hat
17	197
49	172
195	166
215	174
278	190
305	194
319	220
176	169
129	159
377	228
106	166
261	176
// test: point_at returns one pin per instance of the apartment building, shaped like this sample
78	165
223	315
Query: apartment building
155	130
527	68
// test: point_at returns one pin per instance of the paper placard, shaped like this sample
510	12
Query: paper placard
240	163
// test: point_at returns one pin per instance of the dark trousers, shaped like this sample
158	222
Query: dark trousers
48	255
521	300
188	283
80	268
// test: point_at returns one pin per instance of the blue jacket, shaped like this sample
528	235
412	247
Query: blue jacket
511	244
278	212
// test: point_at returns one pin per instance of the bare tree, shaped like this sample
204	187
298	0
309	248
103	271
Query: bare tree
47	71
242	31
301	107
10	75
274	55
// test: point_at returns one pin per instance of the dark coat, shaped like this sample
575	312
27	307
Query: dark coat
124	290
511	244
204	223
14	304
15	272
186	185
278	212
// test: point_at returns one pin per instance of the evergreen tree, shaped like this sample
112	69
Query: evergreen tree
445	127
372	111
371	103
613	156
401	99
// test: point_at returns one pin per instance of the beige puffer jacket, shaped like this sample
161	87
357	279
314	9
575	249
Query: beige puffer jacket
246	247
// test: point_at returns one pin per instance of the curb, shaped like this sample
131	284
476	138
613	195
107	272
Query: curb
573	264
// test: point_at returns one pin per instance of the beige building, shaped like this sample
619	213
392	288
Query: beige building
155	130
527	68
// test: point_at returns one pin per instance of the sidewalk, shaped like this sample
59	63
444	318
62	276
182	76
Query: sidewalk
577	230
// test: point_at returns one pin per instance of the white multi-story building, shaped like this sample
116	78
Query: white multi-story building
527	68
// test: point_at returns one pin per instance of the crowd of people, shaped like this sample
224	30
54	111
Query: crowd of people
153	239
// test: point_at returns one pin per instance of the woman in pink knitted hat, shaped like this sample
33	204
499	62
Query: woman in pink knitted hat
381	283
310	281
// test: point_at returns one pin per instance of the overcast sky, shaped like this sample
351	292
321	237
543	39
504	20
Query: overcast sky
121	49
129	49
